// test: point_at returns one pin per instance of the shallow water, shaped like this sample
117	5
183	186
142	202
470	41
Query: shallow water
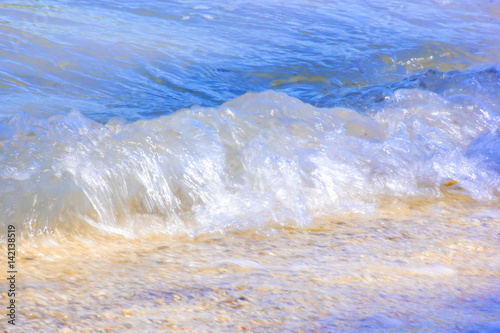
270	166
413	273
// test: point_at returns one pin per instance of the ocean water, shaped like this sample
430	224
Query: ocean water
207	128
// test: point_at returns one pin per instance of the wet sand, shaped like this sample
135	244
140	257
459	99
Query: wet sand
420	272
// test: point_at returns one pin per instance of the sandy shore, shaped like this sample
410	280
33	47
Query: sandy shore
425	273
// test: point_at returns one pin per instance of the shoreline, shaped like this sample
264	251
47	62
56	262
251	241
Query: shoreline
400	273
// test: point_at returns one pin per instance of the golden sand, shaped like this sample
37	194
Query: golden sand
436	272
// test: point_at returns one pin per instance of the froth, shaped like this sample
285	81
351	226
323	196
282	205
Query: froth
263	157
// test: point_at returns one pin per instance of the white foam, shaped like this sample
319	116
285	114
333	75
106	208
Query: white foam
263	157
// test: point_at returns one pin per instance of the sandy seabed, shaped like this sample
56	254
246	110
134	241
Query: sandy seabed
433	271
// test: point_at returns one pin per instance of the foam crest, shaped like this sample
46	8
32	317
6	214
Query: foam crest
260	158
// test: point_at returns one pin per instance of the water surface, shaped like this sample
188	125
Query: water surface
266	166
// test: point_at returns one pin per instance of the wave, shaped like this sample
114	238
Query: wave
260	158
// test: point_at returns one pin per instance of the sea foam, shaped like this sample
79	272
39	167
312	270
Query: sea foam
260	158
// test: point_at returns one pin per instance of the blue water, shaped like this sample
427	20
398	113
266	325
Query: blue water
92	127
138	60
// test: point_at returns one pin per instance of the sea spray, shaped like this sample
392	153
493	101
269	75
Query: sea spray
260	158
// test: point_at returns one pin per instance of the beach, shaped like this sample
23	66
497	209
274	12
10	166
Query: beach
414	273
299	166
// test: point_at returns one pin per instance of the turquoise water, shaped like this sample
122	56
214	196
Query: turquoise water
180	115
